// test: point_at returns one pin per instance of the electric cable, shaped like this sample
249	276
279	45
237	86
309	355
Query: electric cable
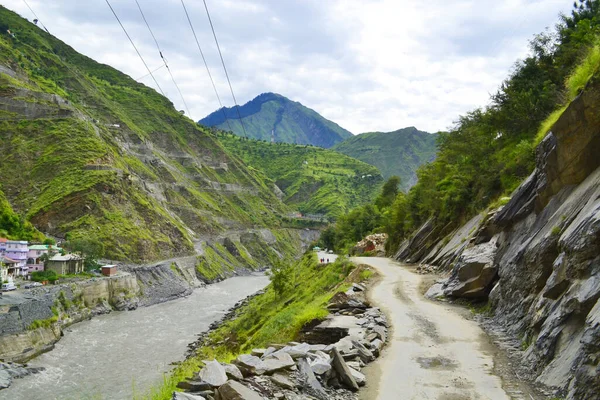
162	57
136	50
206	65
225	68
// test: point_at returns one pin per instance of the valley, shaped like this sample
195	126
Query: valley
266	252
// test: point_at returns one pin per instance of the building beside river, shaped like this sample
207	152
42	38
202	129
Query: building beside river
65	265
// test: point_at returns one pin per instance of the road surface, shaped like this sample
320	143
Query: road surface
326	256
434	352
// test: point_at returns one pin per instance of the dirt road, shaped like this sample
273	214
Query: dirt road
434	352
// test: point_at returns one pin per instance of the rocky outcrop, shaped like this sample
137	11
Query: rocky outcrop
538	257
301	370
373	244
31	323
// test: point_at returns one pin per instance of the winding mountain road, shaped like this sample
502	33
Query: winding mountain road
433	351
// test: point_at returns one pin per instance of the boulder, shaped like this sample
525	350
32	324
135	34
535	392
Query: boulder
213	373
283	381
5	379
309	382
343	371
275	362
376	346
233	390
247	363
365	354
474	272
381	332
320	363
358	377
258	352
194	385
233	372
186	396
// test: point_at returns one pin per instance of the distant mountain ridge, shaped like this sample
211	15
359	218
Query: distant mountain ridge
397	153
290	122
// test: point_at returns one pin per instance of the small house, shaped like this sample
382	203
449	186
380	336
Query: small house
109	270
65	265
36	253
8	267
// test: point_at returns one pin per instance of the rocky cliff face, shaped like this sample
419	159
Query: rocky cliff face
538	257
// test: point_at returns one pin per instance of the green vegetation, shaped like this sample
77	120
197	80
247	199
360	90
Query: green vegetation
290	121
276	316
12	226
91	250
489	151
42	276
314	180
42	323
111	161
399	153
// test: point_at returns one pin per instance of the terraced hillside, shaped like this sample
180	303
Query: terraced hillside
313	180
398	153
86	151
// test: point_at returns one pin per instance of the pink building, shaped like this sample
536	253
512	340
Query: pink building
35	253
17	250
3	245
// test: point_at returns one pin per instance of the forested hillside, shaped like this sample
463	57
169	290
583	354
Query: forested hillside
399	153
288	121
490	150
86	151
313	180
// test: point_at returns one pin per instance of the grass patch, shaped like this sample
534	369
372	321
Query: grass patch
269	318
574	85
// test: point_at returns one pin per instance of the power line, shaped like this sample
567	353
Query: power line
206	65
226	74
163	58
136	50
153	71
36	17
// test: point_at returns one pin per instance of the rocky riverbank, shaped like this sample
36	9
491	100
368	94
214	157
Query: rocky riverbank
10	371
326	363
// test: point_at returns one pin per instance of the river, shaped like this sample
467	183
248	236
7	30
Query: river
120	354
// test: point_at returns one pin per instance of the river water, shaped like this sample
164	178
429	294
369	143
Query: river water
120	354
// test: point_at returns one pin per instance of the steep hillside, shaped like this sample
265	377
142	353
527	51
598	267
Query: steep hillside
290	122
398	153
86	151
313	180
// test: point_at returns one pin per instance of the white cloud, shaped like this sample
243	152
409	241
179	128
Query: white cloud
367	65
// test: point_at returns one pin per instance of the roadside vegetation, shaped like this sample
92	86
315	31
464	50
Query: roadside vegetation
298	294
490	150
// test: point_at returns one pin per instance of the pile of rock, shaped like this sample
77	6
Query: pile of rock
10	371
374	244
425	269
296	371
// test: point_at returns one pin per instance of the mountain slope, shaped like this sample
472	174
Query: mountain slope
313	180
290	121
397	153
86	151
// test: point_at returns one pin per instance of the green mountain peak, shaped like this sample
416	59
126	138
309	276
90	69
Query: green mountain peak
273	117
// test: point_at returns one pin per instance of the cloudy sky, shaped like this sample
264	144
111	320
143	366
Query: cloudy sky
369	65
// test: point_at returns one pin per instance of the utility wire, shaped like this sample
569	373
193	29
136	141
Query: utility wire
206	65
226	74
153	71
36	17
136	50
163	58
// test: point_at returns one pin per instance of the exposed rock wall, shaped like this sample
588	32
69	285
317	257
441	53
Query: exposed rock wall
538	257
